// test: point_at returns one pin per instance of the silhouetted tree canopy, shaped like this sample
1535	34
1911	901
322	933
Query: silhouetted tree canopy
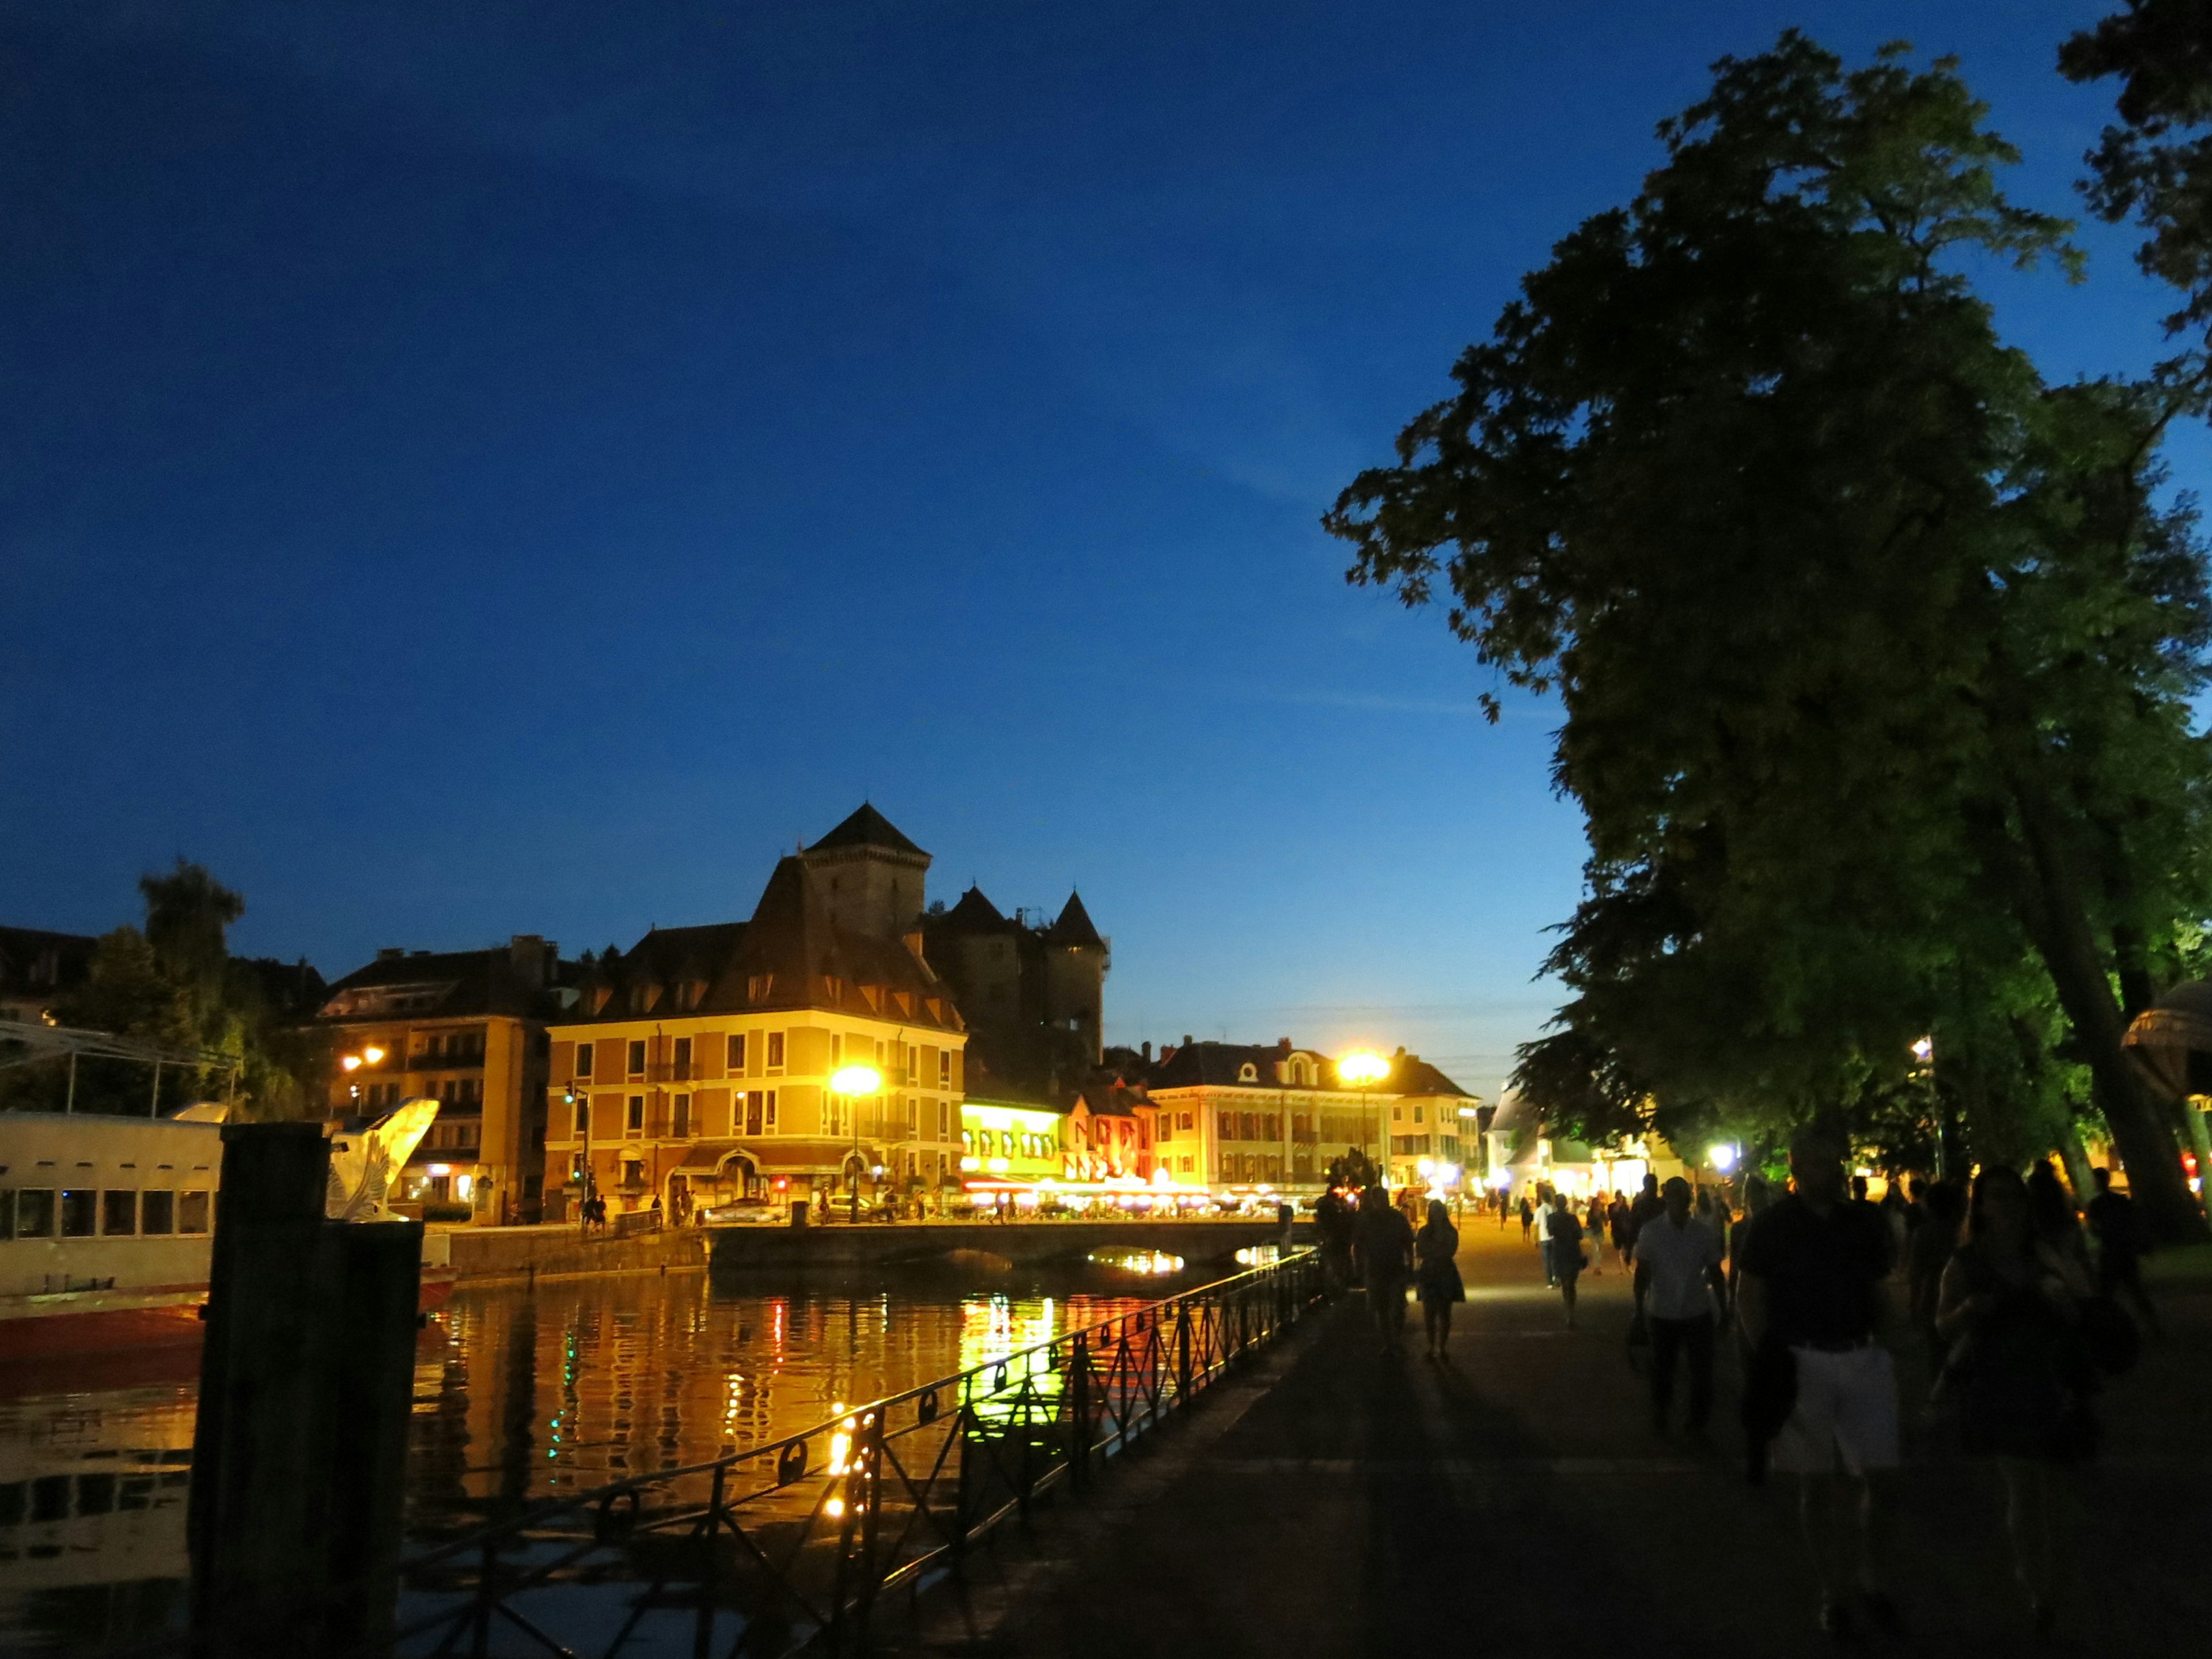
1875	651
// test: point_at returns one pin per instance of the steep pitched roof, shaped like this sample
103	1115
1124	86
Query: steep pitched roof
1412	1075
974	914
789	956
1074	926
1196	1063
866	827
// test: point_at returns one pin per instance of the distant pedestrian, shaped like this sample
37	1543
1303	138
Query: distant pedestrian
2114	1219
1810	1301
1616	1227
1678	1273
1435	1251
1758	1194
1333	1222
1928	1250
1527	1219
1644	1206
1594	1229
1565	1234
1385	1247
1547	1202
2010	1310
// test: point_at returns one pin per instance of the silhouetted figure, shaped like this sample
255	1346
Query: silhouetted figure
2010	1310
1384	1243
1436	1251
1678	1273
1928	1252
1527	1219
1810	1300
1564	1235
2113	1218
1333	1221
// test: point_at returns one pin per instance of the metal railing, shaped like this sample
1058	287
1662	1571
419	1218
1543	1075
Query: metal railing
795	1542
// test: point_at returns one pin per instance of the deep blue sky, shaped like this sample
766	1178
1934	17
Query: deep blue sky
477	468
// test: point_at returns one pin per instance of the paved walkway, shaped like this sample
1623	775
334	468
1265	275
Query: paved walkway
1515	1500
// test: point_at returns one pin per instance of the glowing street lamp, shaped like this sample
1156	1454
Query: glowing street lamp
1363	1068
853	1082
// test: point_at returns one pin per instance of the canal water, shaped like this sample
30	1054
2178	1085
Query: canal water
519	1394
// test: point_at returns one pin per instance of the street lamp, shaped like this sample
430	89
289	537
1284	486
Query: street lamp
853	1082
1363	1068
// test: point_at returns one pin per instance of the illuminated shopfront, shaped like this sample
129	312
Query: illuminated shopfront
1011	1143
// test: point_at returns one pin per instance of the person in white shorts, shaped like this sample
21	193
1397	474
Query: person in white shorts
1814	1265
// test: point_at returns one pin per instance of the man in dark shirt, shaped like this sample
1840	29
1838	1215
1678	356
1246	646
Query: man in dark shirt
1812	1275
1385	1246
2119	1247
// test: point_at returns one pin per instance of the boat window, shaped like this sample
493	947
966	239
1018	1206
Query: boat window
157	1213
7	1212
192	1212
34	1214
119	1213
80	1212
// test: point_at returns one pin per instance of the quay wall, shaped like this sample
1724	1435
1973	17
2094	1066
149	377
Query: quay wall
1023	1243
496	1255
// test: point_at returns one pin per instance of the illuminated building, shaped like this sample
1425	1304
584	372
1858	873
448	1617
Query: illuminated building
464	1028
1004	1141
694	1069
1237	1115
1431	1126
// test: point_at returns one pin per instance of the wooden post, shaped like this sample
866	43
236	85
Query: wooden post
307	1382
255	1516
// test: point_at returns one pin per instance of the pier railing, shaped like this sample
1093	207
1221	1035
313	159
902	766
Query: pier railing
798	1541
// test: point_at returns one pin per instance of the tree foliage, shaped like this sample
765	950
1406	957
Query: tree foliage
1875	651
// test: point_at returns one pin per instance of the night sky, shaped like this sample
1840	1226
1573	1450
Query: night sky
475	468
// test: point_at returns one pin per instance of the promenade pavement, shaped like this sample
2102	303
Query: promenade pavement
1514	1499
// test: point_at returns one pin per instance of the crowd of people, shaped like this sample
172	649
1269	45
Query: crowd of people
2023	1300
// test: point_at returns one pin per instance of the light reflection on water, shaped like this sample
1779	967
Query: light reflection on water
518	1395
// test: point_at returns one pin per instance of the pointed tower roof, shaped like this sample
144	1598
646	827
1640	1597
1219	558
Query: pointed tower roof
867	828
974	914
1074	926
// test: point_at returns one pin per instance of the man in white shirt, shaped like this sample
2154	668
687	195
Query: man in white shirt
1678	1273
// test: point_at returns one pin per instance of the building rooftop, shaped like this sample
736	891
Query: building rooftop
866	827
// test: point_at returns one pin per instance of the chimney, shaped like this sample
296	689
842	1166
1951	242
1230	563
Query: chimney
1186	1039
1283	1046
525	953
390	952
1145	1049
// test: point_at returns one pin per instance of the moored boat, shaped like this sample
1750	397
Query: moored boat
106	1229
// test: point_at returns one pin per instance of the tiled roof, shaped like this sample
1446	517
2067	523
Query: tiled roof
789	956
1195	1065
439	985
866	827
1412	1075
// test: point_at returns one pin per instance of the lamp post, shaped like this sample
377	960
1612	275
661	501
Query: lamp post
1363	1068
369	1056
853	1082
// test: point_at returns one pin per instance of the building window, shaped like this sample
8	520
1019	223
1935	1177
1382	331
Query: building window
748	1107
637	1059
737	1054
637	1115
1186	1163
1247	1073
1397	1113
683	1059
119	1213
583	1066
944	1120
192	1213
944	1068
80	1213
682	1117
157	1213
771	1109
1417	1115
837	1049
583	1119
1186	1121
775	1051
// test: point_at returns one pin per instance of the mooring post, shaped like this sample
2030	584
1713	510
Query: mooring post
257	1515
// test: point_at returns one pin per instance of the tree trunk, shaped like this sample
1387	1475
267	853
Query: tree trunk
2076	1159
2052	914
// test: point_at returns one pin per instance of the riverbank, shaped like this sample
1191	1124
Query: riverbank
486	1256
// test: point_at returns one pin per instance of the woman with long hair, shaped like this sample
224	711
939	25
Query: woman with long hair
2010	1312
1436	1254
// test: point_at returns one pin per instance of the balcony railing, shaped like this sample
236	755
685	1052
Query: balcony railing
765	1552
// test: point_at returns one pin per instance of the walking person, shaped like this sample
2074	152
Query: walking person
2119	1248
1616	1227
2018	1368
1333	1221
1678	1275
1565	1236
1528	1218
1594	1229
1810	1299
1436	1252
1384	1243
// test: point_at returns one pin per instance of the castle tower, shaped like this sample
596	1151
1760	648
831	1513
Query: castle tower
870	877
1075	962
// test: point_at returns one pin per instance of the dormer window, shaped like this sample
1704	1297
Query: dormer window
1247	1073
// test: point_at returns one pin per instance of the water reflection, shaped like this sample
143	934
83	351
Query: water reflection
518	1395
